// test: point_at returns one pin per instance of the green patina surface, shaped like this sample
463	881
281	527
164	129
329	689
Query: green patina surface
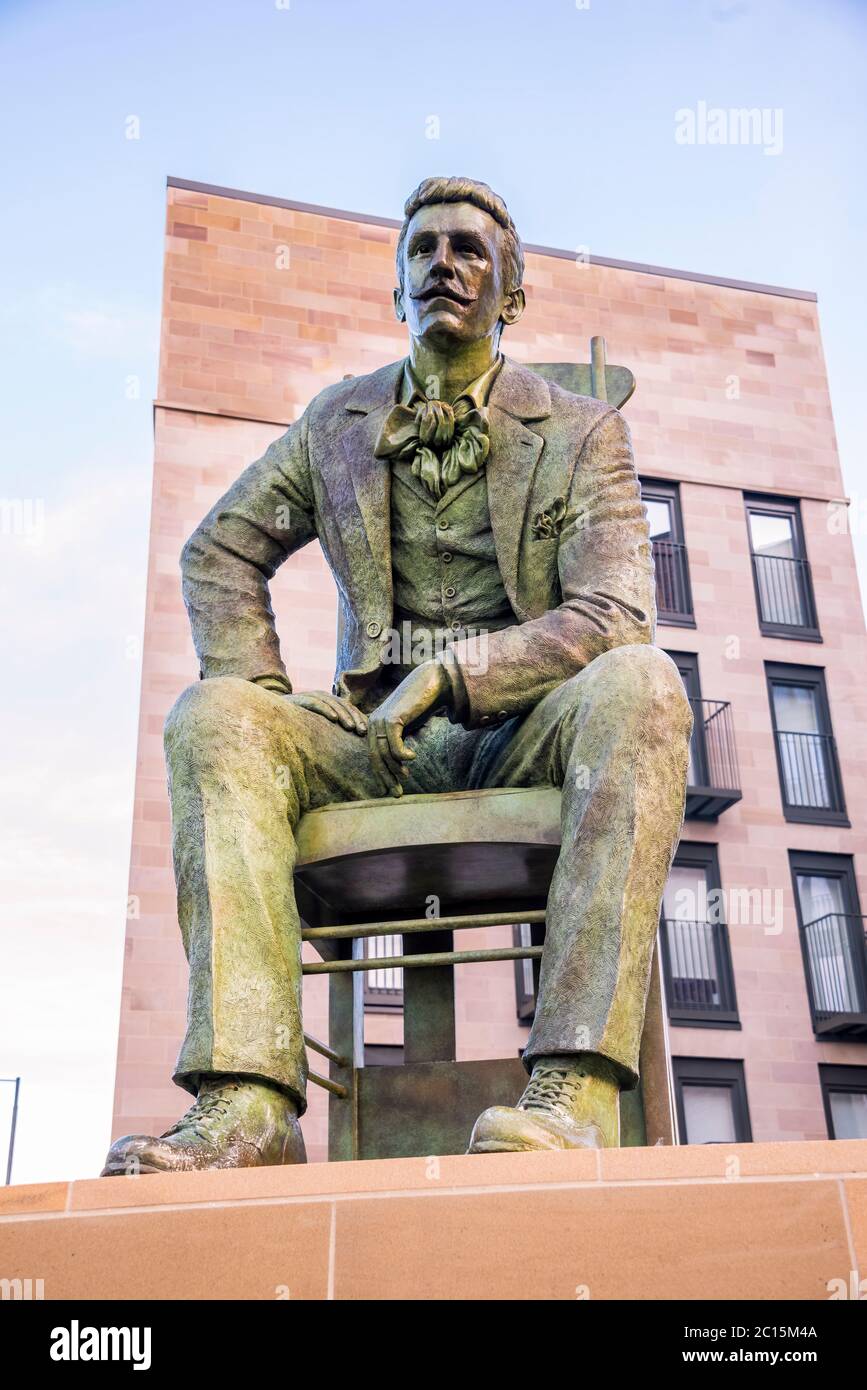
537	669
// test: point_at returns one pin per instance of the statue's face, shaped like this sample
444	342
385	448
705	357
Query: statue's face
454	279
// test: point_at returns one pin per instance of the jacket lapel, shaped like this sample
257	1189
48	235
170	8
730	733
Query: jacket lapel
371	479
366	480
517	396
363	481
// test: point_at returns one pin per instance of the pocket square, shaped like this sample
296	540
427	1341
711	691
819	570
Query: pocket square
551	520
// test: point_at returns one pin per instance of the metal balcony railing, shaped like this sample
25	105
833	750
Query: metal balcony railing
784	590
384	988
835	955
673	592
699	984
713	779
810	772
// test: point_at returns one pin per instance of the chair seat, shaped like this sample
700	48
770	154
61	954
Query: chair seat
386	857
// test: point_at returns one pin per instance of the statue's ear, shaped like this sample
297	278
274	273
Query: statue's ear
514	306
399	310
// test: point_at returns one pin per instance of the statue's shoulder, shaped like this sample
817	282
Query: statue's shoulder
364	392
529	392
577	416
574	406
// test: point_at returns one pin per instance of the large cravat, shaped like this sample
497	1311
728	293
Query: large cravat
439	441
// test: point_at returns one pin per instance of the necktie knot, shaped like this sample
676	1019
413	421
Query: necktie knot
435	421
439	441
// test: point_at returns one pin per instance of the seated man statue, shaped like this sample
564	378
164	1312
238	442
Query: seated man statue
497	520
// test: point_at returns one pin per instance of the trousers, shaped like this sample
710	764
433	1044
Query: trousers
244	764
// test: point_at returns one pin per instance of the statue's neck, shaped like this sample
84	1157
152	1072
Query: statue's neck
445	372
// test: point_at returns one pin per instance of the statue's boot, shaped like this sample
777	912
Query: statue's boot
235	1123
564	1106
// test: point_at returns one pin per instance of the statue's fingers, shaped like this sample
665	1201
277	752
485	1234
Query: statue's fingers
343	715
397	747
359	720
375	748
377	764
394	765
319	706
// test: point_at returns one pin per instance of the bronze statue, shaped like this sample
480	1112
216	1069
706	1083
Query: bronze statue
500	518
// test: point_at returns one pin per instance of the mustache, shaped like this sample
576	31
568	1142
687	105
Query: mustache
444	291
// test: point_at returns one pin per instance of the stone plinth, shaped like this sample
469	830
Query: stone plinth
723	1222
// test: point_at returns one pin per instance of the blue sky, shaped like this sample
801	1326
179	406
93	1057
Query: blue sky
568	111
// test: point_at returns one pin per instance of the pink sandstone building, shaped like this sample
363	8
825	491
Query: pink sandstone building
762	939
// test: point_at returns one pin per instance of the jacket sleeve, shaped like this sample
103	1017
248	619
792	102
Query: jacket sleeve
607	585
226	564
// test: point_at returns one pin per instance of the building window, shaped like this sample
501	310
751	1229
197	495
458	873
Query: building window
781	570
527	971
711	1097
383	1055
383	989
810	782
844	1092
699	984
673	592
713	779
832	943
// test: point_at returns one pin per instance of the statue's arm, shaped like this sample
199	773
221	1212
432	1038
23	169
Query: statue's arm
227	562
607	584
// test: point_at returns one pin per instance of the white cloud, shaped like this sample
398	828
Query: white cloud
90	326
67	605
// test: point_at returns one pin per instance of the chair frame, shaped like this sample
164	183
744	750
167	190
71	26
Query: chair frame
495	851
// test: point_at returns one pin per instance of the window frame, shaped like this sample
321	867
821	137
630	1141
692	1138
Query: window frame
687	665
379	1001
727	1073
698	853
786	673
383	1054
830	865
835	1079
790	507
525	1004
669	491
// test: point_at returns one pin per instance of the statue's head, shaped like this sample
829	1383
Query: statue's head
459	263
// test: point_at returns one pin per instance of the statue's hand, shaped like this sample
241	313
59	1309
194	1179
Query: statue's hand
334	708
421	691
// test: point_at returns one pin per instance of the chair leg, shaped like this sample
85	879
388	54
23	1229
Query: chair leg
429	1002
346	1036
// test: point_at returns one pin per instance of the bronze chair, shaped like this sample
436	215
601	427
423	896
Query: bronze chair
485	858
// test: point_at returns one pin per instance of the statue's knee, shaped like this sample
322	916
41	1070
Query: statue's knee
208	709
645	683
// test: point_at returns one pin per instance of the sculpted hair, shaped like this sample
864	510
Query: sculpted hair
458	190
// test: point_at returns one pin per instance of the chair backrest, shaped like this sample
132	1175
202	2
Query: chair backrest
594	378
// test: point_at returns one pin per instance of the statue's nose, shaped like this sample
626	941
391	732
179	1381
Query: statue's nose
443	261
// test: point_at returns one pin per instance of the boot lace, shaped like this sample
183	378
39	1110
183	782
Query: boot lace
209	1106
551	1088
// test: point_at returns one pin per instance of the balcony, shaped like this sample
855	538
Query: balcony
383	989
784	592
835	958
699	985
673	592
810	777
713	779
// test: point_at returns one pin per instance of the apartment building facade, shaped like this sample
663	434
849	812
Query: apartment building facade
762	934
